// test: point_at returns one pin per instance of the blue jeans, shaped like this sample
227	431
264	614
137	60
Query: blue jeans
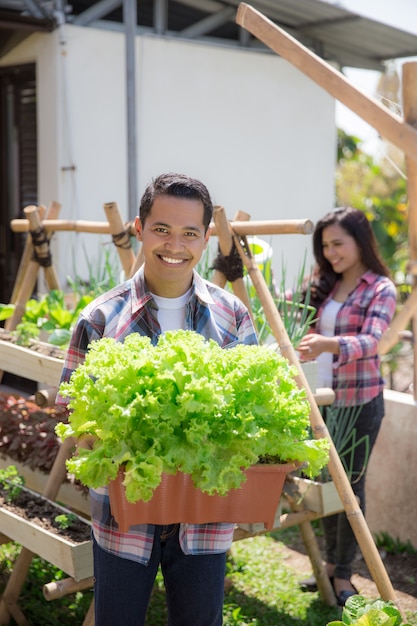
194	584
341	544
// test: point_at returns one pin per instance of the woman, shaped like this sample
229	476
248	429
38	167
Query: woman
355	301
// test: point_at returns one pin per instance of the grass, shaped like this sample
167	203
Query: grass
68	611
265	591
262	590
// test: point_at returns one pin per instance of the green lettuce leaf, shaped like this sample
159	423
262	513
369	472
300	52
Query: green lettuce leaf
185	405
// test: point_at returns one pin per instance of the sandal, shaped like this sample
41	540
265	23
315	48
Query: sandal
344	595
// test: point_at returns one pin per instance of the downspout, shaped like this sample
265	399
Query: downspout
130	22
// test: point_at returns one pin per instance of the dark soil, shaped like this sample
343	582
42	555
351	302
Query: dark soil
42	512
27	432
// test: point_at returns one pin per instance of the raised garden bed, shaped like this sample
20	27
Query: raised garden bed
28	441
38	361
30	520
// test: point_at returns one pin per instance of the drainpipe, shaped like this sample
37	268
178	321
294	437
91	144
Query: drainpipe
130	22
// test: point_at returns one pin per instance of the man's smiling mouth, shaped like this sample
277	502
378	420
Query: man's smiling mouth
172	261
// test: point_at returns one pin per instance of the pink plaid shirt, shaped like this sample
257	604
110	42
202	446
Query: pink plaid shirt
360	324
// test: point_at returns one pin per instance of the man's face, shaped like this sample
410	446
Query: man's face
173	241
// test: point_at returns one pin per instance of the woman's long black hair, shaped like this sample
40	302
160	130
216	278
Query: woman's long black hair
356	224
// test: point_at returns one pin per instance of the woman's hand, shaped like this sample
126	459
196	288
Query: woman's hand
313	344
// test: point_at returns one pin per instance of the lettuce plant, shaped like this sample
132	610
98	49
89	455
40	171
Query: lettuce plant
360	611
185	405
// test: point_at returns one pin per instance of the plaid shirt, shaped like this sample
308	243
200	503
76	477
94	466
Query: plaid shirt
360	324
130	308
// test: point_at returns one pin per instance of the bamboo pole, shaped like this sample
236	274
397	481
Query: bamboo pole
409	82
45	397
225	239
226	245
324	585
120	235
42	248
25	263
58	472
400	321
78	226
26	256
389	125
319	428
60	588
29	280
51	213
89	619
266	227
8	601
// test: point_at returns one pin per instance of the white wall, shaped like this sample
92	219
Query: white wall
254	129
391	504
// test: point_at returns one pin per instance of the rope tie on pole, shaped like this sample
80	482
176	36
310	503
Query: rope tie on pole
122	240
41	252
231	265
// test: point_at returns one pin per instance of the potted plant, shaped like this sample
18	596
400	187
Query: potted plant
185	405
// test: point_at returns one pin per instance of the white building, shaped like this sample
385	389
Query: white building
259	133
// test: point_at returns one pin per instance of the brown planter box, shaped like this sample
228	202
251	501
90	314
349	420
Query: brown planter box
176	500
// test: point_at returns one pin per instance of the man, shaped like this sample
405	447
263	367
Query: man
165	294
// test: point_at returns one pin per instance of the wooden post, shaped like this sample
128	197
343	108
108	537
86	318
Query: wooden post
319	428
120	235
410	115
389	125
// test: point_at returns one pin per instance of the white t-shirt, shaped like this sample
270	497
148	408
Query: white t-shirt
327	328
171	311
